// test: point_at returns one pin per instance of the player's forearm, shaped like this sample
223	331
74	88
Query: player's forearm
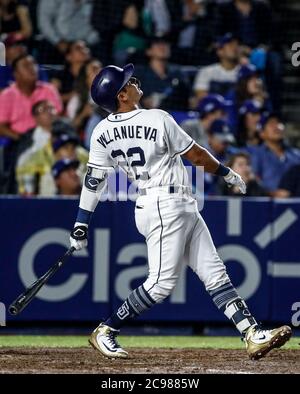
94	184
200	157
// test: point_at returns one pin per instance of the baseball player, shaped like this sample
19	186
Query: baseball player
148	145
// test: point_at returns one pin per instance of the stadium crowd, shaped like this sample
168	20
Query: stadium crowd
216	66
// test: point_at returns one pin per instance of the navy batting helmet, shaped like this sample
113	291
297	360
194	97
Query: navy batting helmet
108	83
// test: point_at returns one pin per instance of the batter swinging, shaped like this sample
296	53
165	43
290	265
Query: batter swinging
148	145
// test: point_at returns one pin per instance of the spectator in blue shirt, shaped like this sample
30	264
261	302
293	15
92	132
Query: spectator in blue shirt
273	157
164	85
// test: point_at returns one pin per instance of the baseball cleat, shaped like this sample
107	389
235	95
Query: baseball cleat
103	339
260	342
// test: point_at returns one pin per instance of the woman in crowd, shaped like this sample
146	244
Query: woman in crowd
247	132
80	107
249	86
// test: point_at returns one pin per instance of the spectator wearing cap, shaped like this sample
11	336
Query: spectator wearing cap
35	173
219	77
62	22
164	85
210	108
15	48
289	185
193	35
249	87
253	23
249	117
16	101
221	140
241	164
220	144
66	177
273	157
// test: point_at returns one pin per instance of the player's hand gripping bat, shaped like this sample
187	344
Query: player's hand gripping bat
23	300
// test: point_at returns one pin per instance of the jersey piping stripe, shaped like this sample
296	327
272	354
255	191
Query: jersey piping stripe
123	120
184	150
160	246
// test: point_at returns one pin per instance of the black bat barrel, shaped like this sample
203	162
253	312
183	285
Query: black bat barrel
23	300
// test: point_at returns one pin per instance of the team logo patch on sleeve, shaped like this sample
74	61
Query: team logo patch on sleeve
91	183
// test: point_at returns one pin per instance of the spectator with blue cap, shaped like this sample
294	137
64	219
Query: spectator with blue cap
220	140
65	145
66	177
248	118
219	77
220	144
273	157
210	108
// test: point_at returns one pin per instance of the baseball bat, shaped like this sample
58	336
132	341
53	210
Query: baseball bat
24	299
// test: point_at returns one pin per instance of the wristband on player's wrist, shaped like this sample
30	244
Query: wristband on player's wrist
222	170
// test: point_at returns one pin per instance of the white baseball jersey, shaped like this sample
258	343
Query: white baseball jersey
146	144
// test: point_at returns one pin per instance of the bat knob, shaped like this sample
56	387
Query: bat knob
13	310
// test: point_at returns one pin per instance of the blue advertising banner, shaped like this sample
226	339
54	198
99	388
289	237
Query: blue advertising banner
256	238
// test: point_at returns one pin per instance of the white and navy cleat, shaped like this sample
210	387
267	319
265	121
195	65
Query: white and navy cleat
103	339
260	342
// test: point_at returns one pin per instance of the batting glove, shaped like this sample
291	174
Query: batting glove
234	179
78	236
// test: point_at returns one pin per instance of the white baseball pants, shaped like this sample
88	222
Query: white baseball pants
176	234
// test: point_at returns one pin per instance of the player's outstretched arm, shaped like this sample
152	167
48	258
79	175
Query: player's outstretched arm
94	184
200	157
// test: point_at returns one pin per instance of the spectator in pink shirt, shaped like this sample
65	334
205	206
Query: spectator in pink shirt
16	101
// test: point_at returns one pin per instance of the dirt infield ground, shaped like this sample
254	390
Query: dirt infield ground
87	360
